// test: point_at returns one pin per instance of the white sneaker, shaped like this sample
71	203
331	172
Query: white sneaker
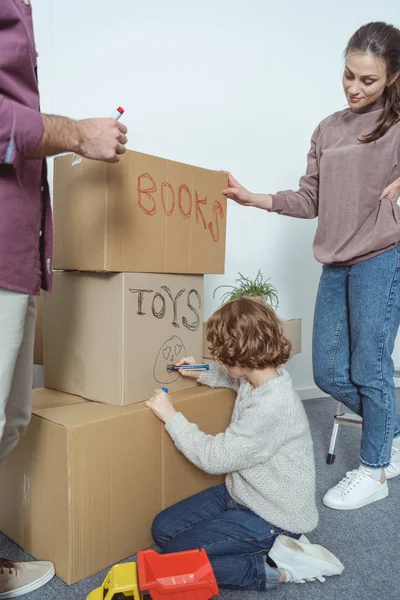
393	469
356	489
303	560
25	578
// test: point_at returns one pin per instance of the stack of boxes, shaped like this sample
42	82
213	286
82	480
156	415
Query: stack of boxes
132	243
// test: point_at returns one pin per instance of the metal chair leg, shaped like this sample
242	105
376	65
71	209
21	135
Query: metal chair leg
330	459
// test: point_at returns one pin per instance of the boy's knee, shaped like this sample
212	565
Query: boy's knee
157	530
172	545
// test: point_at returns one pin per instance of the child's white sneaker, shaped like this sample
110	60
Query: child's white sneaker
355	490
393	469
303	560
304	539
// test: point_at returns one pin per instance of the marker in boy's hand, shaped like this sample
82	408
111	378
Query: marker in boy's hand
189	360
162	406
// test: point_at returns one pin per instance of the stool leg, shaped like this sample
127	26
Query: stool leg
330	459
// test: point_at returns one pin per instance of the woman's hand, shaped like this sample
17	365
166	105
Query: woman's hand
189	360
392	191
239	194
162	406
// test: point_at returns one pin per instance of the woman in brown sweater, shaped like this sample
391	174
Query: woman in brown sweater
352	185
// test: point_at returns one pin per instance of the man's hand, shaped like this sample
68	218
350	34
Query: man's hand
98	139
101	139
162	406
392	191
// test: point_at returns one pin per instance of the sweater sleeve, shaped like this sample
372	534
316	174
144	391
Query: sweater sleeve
242	446
218	377
302	204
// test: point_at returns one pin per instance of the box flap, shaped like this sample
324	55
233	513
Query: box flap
47	398
86	413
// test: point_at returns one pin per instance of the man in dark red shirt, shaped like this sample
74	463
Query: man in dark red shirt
26	236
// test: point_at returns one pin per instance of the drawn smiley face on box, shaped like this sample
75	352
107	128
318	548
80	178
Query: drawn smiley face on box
170	353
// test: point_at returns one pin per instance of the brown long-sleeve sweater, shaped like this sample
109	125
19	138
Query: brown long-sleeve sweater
343	185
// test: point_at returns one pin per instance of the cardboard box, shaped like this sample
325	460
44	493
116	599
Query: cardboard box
110	337
144	214
291	328
86	480
46	398
38	347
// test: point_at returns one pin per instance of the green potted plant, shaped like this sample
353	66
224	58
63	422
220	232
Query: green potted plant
245	286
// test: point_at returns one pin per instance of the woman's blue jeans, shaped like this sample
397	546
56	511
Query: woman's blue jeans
357	316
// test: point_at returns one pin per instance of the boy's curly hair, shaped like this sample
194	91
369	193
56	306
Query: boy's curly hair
247	332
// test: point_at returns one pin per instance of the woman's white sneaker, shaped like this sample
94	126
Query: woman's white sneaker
355	490
25	578
393	469
303	560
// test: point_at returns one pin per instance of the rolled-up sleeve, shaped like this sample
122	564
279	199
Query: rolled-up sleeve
21	129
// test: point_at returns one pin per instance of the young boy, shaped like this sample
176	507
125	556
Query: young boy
266	454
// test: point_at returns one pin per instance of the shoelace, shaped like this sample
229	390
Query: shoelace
10	570
351	479
7	564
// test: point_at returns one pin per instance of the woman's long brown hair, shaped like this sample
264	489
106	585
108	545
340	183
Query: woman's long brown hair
383	41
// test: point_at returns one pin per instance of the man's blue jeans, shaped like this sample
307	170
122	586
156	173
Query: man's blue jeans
357	316
236	540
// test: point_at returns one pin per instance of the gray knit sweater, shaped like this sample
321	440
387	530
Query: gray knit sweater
266	452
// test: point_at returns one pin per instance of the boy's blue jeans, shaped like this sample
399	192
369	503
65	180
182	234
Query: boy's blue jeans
357	316
236	539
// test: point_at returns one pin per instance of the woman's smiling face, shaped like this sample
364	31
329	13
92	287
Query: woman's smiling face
364	79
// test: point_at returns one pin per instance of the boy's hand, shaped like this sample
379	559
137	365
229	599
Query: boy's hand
189	360
162	406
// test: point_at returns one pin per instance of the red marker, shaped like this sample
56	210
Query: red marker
117	114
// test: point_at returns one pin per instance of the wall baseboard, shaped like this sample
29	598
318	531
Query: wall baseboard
312	393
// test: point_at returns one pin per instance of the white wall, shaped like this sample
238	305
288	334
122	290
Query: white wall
223	84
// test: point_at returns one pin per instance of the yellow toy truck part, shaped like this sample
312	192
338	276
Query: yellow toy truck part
121	579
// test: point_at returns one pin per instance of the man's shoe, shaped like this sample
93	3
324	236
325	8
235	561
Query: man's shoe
355	490
303	560
393	469
23	578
